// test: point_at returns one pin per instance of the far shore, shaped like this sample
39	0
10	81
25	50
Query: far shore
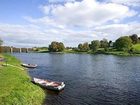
118	53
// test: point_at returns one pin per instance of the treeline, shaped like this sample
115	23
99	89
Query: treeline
94	45
123	43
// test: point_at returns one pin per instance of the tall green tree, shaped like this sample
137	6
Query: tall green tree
95	44
139	39
56	47
123	43
1	42
134	38
61	46
86	46
104	44
83	47
80	46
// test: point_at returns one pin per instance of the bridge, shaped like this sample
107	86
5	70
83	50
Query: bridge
8	49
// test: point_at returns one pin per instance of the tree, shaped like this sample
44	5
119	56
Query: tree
95	44
104	44
80	46
1	42
139	39
56	46
123	43
86	46
110	43
134	38
61	46
83	47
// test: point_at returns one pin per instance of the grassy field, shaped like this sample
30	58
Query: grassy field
136	47
15	86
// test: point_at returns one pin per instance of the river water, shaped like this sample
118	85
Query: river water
89	79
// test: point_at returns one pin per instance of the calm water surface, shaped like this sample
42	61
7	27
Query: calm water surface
90	79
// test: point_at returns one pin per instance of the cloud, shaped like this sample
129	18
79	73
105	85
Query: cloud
114	31
72	23
27	34
31	35
60	1
126	2
87	13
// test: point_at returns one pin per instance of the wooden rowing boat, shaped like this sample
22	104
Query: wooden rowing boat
29	65
51	85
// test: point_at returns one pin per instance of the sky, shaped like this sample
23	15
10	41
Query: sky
36	23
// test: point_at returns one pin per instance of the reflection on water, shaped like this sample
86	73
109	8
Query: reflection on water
54	93
89	79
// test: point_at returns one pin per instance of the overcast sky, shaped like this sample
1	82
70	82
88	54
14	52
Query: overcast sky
30	23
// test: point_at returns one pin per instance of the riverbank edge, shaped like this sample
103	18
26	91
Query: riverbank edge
117	53
15	85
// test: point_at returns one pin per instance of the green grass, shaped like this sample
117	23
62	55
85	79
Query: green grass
15	86
71	51
136	47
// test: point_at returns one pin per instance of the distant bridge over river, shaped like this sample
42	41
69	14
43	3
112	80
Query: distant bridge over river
8	49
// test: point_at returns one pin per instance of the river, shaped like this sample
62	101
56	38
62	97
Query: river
89	79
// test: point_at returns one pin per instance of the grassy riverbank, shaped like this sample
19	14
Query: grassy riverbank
119	53
111	51
15	85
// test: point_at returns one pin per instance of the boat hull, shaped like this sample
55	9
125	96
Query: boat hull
49	87
29	65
